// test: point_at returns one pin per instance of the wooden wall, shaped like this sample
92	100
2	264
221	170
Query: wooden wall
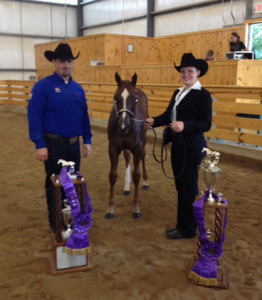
229	72
236	110
170	48
111	49
143	50
91	48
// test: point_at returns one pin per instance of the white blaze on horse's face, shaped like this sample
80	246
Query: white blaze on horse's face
124	95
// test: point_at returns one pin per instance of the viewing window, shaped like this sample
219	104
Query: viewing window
254	38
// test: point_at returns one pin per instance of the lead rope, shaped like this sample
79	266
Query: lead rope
163	153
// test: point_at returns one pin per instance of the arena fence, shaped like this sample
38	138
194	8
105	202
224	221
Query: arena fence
237	111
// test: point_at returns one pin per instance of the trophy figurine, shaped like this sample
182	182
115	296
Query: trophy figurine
70	165
211	172
68	219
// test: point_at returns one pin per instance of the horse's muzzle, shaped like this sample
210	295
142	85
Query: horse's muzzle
123	128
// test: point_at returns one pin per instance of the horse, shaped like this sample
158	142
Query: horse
126	132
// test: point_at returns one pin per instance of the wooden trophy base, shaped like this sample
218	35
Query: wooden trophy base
216	211
221	275
62	263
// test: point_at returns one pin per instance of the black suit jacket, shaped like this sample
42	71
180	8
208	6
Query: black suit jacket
195	110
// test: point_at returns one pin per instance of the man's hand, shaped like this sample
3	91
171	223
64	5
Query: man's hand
86	150
41	154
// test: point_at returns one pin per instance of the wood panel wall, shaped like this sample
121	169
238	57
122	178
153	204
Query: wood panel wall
229	72
91	48
170	48
236	110
111	49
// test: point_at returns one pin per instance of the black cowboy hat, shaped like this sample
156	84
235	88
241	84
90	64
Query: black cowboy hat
188	60
61	51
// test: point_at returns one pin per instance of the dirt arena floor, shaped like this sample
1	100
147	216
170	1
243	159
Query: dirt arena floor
131	259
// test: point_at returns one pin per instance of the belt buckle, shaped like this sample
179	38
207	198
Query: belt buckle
73	139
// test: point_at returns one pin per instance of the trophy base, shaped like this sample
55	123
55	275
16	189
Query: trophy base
221	275
62	263
217	223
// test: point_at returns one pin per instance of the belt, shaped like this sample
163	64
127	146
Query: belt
71	140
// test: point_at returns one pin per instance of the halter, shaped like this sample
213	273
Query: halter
118	112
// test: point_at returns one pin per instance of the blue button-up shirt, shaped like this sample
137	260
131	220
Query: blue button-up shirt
58	108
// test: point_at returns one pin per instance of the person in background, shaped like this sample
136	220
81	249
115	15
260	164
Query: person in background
187	117
57	117
235	43
210	55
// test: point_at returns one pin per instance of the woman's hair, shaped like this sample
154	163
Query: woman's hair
235	34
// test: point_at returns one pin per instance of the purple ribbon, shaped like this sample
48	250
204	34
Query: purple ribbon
77	242
205	269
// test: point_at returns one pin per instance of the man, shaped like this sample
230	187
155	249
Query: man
57	117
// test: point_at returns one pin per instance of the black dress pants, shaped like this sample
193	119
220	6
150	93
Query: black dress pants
185	162
58	150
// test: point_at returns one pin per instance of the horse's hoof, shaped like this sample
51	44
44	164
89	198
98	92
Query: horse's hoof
145	187
109	216
125	193
136	215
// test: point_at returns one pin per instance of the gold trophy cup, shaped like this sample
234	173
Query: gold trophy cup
211	172
68	219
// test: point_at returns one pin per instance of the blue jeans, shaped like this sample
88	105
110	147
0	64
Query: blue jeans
58	150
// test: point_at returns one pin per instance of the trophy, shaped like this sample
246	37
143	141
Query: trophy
70	165
211	172
68	219
209	268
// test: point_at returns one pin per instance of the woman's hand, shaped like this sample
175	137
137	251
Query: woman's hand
149	123
177	126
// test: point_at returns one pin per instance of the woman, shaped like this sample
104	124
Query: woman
210	55
235	43
187	116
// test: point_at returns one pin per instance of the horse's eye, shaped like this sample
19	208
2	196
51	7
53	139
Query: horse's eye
135	99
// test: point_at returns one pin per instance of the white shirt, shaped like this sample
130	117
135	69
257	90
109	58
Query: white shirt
181	95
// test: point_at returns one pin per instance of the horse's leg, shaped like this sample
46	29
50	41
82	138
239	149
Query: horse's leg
136	179
113	155
127	177
145	184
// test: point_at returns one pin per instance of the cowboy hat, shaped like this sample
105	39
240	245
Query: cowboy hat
61	51
188	60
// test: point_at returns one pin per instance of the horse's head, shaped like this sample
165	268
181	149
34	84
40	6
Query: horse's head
125	99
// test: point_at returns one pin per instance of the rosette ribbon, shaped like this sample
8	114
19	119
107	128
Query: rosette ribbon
204	271
77	243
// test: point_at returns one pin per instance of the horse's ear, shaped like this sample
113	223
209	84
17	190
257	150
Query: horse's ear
117	78
134	79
